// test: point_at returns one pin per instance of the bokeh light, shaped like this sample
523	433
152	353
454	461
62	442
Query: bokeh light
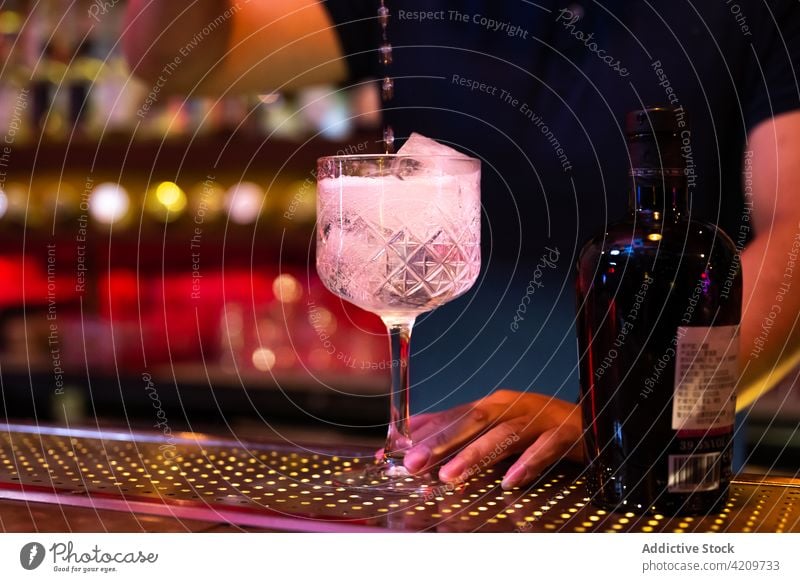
243	201
287	288
170	195
3	204
109	202
263	359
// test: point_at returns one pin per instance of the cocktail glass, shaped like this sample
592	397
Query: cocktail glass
397	235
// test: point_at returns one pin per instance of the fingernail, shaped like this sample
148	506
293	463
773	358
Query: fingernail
453	470
513	477
417	458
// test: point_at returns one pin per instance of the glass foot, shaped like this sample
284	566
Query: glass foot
387	476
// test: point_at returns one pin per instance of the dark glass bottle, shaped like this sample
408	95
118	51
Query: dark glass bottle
659	305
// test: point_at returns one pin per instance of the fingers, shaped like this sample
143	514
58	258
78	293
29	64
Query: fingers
497	444
418	459
552	445
418	421
432	423
416	424
512	420
443	434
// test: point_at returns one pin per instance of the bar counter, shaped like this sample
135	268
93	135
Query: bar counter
56	479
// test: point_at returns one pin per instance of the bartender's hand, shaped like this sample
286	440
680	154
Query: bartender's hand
543	429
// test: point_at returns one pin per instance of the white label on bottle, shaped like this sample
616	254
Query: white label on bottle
705	377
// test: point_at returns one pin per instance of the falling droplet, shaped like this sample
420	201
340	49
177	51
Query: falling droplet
383	16
387	85
388	139
387	89
386	54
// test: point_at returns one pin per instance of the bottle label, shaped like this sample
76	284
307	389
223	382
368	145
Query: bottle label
690	473
705	378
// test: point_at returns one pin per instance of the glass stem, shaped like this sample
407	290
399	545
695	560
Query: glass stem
398	441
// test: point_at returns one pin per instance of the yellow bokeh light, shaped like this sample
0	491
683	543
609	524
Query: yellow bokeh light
287	289
10	22
171	196
655	237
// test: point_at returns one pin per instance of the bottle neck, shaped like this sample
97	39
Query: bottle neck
658	182
658	193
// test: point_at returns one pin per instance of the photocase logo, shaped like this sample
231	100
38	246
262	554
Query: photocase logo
31	555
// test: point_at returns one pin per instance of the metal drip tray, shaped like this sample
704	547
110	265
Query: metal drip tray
277	487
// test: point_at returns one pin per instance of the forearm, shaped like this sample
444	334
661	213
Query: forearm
770	331
156	31
233	46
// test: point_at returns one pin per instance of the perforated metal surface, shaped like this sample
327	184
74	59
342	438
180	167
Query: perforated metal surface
283	488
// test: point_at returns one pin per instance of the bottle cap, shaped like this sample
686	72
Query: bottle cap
653	142
651	120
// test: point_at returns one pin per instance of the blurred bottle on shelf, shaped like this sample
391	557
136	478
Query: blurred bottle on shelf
14	95
128	231
82	73
49	103
59	202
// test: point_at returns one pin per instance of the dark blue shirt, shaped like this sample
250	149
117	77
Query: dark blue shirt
538	91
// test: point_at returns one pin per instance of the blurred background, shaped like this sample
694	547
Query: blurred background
155	240
156	252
